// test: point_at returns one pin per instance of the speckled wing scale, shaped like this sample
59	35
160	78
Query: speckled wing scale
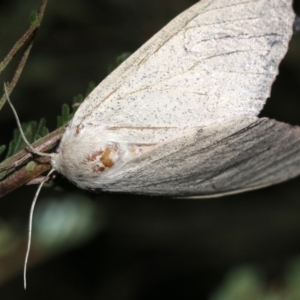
244	156
179	117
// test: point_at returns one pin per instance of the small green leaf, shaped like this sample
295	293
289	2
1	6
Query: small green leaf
90	88
245	283
34	20
32	132
45	131
118	61
65	117
2	149
78	99
31	166
17	142
65	113
41	130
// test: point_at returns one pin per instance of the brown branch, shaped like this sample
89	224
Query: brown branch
11	85
23	167
27	37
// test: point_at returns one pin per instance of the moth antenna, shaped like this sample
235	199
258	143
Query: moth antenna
20	127
30	222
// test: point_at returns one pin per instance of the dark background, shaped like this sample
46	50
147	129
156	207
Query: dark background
141	247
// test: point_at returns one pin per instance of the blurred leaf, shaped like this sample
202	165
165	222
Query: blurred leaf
90	88
118	61
32	132
57	221
2	149
293	281
41	130
77	100
65	116
245	283
34	20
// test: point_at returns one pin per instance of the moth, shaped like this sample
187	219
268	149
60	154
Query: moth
180	116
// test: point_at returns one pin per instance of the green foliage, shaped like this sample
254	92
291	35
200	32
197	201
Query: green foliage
65	116
34	20
79	98
244	283
293	281
76	101
67	113
90	88
118	61
2	149
248	283
41	130
32	130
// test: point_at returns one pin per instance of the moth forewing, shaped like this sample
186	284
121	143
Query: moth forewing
210	69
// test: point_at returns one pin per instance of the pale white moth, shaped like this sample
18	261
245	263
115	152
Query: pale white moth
180	116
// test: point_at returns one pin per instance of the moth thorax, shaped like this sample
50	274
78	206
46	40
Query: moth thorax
85	164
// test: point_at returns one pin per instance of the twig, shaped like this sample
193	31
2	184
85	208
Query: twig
16	173
28	36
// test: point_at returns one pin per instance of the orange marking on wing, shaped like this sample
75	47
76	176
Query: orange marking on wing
104	159
94	155
107	162
97	169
